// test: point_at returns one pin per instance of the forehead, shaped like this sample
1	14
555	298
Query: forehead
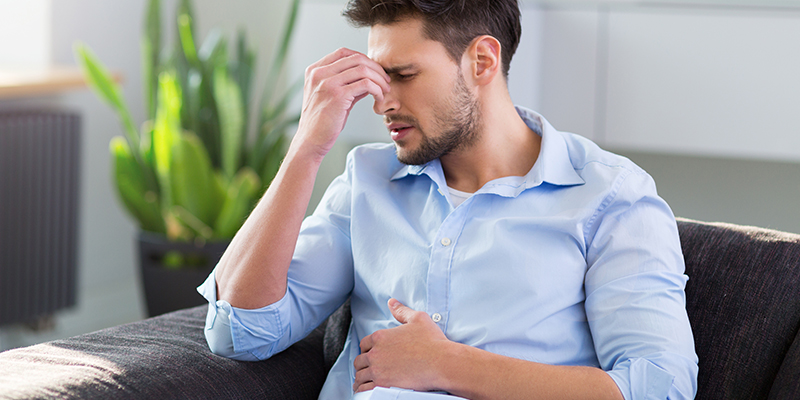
403	43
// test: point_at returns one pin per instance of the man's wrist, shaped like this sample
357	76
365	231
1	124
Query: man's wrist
453	368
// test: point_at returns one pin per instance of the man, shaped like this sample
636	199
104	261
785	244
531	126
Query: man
486	254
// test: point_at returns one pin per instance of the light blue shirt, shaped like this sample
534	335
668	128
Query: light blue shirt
576	263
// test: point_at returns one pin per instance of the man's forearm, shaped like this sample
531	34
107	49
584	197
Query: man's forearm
252	272
417	355
477	374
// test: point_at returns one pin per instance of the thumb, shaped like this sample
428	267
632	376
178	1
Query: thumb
400	312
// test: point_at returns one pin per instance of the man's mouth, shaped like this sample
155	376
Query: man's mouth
399	131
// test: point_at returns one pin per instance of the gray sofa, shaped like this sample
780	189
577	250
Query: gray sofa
743	299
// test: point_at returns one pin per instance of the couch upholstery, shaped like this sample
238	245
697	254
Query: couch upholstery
743	299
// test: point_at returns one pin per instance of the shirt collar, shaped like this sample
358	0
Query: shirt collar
417	170
553	165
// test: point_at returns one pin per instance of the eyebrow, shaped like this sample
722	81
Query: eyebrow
399	68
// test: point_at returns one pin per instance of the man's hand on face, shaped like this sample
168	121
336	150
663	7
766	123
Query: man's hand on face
332	86
406	356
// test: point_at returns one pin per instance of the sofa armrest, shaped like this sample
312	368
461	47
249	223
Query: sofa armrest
743	304
161	357
787	383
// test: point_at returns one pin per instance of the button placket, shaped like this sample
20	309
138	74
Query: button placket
442	251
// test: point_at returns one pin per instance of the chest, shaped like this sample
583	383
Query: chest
410	243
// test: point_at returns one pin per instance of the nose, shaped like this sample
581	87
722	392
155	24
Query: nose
388	104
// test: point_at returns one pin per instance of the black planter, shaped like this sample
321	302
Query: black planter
171	271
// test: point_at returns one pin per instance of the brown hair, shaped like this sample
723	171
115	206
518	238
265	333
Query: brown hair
454	23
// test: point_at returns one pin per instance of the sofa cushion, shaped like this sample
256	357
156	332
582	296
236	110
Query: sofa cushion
338	324
158	358
743	301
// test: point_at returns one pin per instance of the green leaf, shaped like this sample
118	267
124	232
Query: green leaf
147	146
186	35
208	123
140	202
214	51
190	221
167	131
101	81
268	144
192	180
185	7
242	70
231	120
151	47
190	113
270	114
238	204
280	57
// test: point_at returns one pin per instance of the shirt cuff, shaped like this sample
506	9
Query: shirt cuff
253	334
641	379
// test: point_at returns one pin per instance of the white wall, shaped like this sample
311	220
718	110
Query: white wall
685	79
109	290
701	93
25	36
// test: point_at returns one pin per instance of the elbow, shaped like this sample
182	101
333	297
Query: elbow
221	344
220	339
641	378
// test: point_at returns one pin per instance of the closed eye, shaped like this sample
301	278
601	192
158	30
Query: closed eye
404	77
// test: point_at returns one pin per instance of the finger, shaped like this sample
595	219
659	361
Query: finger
360	59
362	380
350	73
400	312
364	387
332	57
366	344
360	362
358	73
362	377
356	60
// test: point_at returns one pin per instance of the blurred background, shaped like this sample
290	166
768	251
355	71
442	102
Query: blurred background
704	95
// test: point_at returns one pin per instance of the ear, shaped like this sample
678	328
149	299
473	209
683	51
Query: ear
484	56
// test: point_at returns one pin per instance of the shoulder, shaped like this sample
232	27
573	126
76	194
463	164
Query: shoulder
588	158
375	159
567	158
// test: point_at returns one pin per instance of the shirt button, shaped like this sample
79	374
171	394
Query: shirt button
436	317
446	242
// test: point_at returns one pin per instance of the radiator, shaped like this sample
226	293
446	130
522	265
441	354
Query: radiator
39	167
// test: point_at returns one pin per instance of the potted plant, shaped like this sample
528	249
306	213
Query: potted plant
194	170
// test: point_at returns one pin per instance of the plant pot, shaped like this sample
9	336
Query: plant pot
171	271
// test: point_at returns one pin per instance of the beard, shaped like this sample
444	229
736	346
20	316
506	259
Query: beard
459	122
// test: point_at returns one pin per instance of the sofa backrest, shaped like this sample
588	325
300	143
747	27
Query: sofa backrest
743	301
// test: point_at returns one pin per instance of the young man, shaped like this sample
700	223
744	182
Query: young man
486	254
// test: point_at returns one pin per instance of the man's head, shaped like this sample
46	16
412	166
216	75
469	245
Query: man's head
454	23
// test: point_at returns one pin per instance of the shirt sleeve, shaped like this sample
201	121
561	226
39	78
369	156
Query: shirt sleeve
635	298
320	279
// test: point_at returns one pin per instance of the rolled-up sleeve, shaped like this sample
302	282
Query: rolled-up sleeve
319	280
635	298
241	334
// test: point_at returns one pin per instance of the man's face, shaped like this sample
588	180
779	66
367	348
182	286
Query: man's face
430	110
